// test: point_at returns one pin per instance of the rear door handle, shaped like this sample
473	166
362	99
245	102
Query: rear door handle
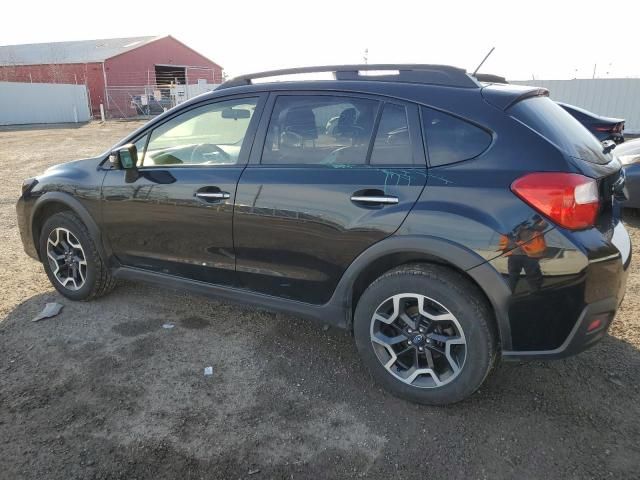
375	199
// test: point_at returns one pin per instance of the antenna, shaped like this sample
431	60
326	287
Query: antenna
483	60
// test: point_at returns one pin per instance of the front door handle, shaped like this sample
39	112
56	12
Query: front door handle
213	195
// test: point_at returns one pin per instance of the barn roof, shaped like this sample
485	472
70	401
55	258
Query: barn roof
82	51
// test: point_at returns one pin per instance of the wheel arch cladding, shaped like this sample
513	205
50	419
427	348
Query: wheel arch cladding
54	202
397	251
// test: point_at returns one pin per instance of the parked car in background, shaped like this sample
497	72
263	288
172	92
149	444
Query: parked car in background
629	155
444	222
604	128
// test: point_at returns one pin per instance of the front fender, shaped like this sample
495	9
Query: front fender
50	199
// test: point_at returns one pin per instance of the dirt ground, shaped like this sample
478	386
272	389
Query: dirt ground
104	391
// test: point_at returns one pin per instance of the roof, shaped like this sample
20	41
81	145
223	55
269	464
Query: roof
82	51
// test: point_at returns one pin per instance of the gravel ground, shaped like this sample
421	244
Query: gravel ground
104	391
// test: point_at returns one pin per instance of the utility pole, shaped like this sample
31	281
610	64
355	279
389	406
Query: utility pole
366	56
594	70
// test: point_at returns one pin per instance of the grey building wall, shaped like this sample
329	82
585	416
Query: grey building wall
23	103
611	97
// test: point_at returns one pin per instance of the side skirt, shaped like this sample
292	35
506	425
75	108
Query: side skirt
328	313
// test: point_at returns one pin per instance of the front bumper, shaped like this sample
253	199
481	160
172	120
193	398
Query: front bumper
23	214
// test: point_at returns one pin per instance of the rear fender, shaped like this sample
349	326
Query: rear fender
437	250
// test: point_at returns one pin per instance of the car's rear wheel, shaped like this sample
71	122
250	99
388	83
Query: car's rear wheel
426	334
71	259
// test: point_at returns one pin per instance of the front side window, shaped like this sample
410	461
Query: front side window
319	130
207	135
451	139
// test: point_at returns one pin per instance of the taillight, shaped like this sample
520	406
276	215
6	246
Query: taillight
569	199
615	128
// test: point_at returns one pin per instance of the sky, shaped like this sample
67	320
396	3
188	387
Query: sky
541	39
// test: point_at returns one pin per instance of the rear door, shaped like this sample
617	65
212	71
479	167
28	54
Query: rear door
334	174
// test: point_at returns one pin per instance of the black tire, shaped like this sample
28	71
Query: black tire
462	299
98	279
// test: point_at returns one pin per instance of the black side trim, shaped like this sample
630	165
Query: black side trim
488	279
327	313
338	310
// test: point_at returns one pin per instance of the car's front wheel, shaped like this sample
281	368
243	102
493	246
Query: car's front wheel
71	259
426	334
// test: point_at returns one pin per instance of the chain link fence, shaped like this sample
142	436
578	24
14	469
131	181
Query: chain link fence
131	95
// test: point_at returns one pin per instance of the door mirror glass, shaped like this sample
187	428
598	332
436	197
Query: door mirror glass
126	156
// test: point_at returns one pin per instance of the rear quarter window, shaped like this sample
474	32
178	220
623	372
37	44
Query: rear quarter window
450	139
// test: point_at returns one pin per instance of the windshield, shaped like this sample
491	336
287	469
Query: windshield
550	120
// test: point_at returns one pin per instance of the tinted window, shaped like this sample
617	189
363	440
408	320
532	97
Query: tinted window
450	139
319	130
207	135
392	145
550	120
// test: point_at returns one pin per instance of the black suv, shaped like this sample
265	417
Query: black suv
446	222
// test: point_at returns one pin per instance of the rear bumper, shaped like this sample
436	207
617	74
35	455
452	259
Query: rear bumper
580	337
566	301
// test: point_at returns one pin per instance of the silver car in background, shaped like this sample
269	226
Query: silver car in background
629	155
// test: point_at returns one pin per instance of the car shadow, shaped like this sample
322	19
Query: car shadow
129	367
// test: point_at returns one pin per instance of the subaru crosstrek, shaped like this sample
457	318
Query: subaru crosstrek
445	222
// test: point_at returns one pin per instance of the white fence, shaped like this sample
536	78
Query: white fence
611	97
24	103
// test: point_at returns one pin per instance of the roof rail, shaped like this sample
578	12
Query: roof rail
408	73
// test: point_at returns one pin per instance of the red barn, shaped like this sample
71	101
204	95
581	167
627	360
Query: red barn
129	76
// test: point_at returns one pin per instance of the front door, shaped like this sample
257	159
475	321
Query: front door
174	215
337	173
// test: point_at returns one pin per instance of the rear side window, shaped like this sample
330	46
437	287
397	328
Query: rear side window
392	145
319	130
550	120
450	139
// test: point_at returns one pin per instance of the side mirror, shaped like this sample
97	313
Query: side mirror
124	157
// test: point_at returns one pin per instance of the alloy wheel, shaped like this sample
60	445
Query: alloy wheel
67	259
418	340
